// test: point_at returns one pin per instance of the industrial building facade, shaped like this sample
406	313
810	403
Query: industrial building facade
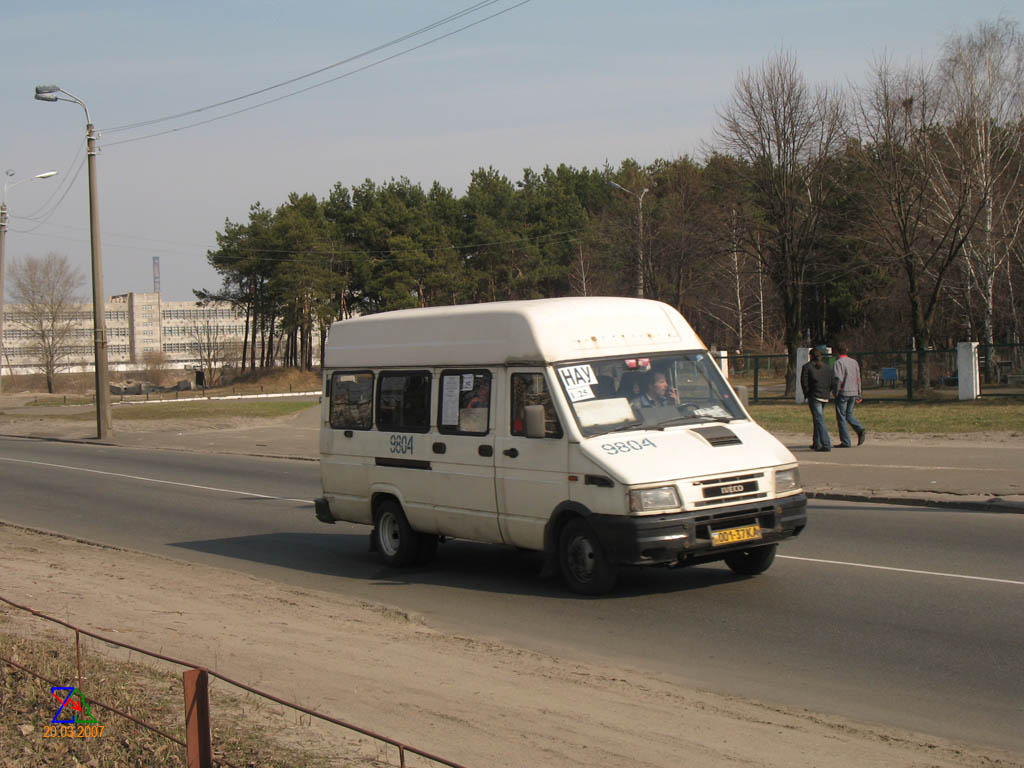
138	325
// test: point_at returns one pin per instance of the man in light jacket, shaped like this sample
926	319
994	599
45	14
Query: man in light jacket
848	392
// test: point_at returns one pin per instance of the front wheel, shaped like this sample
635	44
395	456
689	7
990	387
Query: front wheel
585	566
750	562
396	541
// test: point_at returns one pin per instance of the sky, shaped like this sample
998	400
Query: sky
581	82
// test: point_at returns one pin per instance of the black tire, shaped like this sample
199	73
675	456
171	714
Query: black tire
750	562
428	548
397	542
584	563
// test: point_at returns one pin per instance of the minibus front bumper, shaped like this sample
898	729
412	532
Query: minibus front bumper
685	538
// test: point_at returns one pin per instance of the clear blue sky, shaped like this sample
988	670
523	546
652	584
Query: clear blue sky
575	81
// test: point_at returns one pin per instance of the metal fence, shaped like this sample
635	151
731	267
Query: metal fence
198	744
1001	369
902	374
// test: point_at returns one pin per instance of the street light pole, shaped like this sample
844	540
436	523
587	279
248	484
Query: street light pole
638	275
49	93
3	241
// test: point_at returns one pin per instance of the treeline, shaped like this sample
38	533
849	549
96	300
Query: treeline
889	214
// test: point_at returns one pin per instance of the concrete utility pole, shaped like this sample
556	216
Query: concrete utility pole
638	275
3	242
48	93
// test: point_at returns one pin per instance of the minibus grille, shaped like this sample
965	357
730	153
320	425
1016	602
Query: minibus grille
721	502
719	491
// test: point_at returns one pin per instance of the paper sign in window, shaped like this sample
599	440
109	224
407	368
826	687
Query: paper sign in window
577	375
450	387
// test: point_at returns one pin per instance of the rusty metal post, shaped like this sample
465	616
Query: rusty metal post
199	748
78	656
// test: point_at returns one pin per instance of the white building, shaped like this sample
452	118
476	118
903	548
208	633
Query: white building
137	323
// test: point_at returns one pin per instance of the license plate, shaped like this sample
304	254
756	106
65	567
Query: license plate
735	535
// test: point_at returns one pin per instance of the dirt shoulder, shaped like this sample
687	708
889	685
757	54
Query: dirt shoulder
469	699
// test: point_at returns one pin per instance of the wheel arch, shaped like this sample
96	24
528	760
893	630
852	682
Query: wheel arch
383	492
561	515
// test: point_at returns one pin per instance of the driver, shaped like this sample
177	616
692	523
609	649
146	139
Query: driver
656	391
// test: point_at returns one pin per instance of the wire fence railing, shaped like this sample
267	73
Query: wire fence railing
195	685
900	374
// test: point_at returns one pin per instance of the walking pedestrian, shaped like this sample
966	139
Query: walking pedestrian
817	382
848	392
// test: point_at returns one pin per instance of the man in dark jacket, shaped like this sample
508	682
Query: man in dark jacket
818	382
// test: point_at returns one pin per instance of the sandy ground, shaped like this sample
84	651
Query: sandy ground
470	700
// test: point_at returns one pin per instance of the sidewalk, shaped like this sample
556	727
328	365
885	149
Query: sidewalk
978	472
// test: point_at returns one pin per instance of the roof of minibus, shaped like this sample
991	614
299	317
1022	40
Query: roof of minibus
508	332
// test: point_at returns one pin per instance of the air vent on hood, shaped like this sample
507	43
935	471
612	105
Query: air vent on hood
718	436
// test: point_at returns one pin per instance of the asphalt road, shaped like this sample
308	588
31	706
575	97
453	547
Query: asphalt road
897	615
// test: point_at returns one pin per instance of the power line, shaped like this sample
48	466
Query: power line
41	221
350	59
63	181
320	84
44	218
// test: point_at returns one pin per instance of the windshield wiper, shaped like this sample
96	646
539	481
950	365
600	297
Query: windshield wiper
692	418
628	427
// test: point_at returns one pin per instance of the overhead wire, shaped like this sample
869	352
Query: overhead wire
42	218
349	60
40	221
320	84
62	182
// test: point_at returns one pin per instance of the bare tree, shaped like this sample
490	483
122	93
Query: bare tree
982	75
154	366
921	206
580	277
46	290
787	134
210	344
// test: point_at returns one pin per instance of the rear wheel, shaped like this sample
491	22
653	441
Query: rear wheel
750	562
397	542
585	566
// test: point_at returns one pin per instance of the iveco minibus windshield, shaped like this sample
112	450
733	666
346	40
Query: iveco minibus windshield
655	392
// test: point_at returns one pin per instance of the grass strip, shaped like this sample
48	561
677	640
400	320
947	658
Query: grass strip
986	415
247	731
179	409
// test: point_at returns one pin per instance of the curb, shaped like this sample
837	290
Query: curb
994	505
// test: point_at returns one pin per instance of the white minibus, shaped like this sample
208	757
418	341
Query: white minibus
598	431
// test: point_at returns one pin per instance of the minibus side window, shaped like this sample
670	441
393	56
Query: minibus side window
532	389
464	404
352	400
403	401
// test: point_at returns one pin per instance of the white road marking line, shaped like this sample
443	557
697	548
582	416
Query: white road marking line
307	501
903	570
154	480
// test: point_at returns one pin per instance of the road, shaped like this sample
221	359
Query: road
896	615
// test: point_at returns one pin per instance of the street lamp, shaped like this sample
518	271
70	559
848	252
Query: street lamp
3	239
638	278
49	93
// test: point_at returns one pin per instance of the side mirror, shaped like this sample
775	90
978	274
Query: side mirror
534	420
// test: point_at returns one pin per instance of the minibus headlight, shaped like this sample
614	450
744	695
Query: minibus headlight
787	480
649	499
